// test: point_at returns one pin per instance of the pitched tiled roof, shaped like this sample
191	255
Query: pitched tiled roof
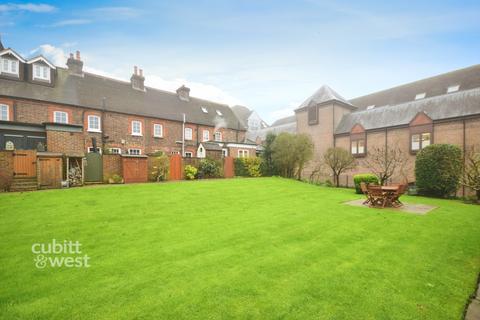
242	114
459	104
285	120
89	91
466	79
323	95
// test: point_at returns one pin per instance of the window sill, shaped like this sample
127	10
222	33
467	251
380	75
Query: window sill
359	155
158	137
137	135
41	80
96	131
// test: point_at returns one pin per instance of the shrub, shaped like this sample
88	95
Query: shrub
190	172
115	178
438	169
368	178
159	167
208	168
248	167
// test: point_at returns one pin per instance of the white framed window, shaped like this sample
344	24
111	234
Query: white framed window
136	128
9	66
4	112
115	151
204	109
358	146
225	152
93	123
219	112
420	140
60	117
188	134
188	154
158	130
134	151
91	150
218	136
41	72
420	96
206	135
453	88
243	153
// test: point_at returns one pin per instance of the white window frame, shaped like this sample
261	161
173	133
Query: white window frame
117	151
206	135
204	109
155	126
242	153
5	107
134	132
8	68
130	150
90	150
218	136
225	152
189	153
219	112
44	72
90	128
189	135
58	112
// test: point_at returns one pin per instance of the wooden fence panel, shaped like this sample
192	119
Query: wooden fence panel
228	167
25	163
176	167
135	169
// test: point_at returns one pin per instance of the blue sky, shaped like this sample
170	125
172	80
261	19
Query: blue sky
267	55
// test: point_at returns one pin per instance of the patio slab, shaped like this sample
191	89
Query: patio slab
419	209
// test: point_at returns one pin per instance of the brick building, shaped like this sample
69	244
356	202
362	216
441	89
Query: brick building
67	110
440	109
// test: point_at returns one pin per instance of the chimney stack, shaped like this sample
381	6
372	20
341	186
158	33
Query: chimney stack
137	79
75	64
183	93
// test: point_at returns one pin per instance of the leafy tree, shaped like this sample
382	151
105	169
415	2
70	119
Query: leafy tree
471	175
268	166
385	162
338	160
290	152
438	169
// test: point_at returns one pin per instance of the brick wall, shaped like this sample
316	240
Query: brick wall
71	143
6	169
112	164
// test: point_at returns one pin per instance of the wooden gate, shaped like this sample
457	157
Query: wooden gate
50	172
94	167
176	167
228	167
135	169
25	163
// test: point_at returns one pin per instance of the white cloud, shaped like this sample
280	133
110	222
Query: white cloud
70	22
284	112
116	13
56	55
198	89
31	7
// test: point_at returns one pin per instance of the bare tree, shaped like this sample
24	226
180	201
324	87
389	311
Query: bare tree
384	163
338	160
471	175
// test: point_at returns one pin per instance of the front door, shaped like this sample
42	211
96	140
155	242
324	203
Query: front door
94	168
25	163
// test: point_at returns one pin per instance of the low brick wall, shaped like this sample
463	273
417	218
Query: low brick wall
6	169
112	164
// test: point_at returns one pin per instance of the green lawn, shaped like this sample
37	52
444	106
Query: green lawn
265	248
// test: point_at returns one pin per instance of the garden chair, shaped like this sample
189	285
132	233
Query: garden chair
363	187
377	196
396	196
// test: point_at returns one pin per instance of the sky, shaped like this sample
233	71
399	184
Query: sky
265	54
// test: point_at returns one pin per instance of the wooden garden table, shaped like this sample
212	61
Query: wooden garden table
389	193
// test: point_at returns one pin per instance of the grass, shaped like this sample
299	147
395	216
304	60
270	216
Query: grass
263	248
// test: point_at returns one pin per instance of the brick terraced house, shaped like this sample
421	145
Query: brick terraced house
440	109
68	113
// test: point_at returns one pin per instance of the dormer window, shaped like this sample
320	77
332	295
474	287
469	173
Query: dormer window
420	96
453	89
41	72
204	110
9	66
219	113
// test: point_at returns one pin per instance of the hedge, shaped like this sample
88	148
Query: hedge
248	167
438	169
368	178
